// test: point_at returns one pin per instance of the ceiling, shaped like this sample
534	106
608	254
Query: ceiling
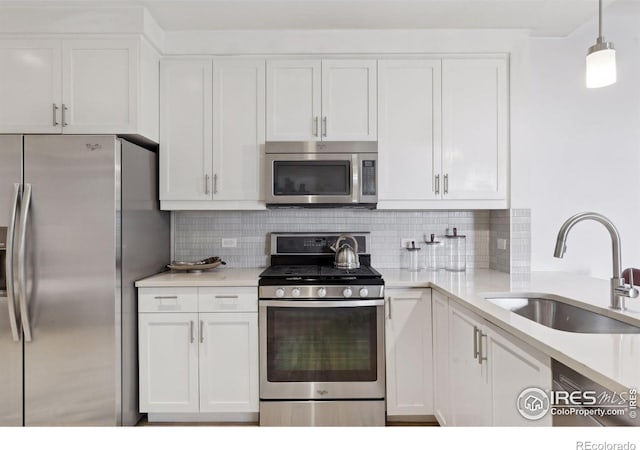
541	17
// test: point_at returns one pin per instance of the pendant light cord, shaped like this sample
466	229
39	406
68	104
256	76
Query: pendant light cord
600	19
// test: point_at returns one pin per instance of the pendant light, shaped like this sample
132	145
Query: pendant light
601	59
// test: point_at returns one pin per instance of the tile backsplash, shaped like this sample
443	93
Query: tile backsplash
198	234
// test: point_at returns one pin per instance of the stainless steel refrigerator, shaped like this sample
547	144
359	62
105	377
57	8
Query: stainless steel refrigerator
79	223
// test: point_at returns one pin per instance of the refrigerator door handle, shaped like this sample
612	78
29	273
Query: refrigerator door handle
11	291
22	277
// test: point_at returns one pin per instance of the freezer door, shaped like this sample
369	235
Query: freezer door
10	350
72	368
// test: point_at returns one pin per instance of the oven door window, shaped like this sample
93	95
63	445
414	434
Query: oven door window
311	178
321	344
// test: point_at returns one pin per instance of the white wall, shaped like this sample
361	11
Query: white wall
575	149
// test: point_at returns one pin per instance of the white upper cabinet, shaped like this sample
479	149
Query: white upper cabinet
409	136
475	128
349	99
443	133
186	130
79	86
293	100
238	130
30	86
212	118
313	100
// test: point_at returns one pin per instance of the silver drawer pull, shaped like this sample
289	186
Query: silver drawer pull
166	297
227	296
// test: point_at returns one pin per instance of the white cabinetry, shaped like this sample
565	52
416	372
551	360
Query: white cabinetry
30	85
443	133
441	376
212	116
329	100
488	370
79	86
198	352
408	341
168	361
409	130
475	129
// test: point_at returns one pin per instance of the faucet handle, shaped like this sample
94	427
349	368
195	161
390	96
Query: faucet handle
630	275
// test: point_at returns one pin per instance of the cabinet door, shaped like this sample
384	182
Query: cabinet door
293	100
441	377
475	128
100	79
168	358
349	100
30	86
470	395
408	341
185	130
409	144
238	129
229	362
513	367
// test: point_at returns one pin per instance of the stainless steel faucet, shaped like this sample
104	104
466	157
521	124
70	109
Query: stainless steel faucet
619	289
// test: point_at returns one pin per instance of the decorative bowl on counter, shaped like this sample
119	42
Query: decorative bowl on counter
196	266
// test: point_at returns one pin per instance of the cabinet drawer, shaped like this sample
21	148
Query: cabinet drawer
168	300
228	299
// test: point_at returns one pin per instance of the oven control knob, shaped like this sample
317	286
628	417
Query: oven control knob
347	292
364	292
295	292
322	292
279	292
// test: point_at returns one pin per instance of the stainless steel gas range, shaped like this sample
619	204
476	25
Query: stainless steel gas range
321	335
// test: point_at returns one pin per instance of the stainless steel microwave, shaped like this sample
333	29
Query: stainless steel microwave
321	174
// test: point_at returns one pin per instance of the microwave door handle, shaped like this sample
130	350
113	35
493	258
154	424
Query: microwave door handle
355	178
10	276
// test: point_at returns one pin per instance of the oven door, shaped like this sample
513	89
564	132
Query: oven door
321	350
321	178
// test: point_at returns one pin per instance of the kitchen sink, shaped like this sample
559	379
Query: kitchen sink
563	316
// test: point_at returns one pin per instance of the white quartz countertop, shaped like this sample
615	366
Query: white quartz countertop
219	277
613	360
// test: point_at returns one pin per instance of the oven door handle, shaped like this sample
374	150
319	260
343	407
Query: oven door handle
321	304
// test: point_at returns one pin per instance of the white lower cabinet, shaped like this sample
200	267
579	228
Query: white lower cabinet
488	369
228	362
440	327
203	359
408	341
168	360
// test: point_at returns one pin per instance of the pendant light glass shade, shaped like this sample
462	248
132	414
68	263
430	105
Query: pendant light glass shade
601	59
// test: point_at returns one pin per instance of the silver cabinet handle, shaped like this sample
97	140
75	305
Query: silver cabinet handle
226	296
162	297
437	185
206	183
475	342
446	183
389	308
315	126
480	355
22	276
215	183
55	115
10	279
64	115
324	126
191	338
201	331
